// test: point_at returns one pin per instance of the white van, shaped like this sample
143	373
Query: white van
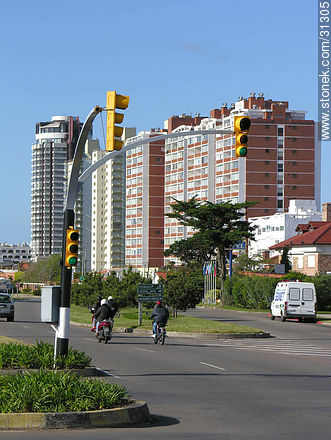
294	299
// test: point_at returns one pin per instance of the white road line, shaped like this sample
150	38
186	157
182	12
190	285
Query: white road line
89	339
26	326
108	374
213	366
143	349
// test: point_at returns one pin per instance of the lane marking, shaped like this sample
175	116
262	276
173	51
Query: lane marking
108	374
89	339
143	349
26	326
213	366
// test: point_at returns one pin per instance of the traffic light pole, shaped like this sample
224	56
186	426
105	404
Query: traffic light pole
66	273
62	337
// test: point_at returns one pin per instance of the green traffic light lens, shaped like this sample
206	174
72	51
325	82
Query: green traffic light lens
72	261
243	151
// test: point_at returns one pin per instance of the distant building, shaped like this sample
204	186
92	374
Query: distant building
15	253
278	227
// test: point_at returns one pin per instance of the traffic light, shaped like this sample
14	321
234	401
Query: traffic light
115	101
71	247
241	126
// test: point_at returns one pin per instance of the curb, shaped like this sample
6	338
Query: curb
185	334
136	413
84	372
206	335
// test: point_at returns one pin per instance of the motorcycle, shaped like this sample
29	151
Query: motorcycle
104	331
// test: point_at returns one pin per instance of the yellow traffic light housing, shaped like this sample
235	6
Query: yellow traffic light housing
115	101
72	240
241	125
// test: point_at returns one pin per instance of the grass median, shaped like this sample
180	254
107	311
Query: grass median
128	318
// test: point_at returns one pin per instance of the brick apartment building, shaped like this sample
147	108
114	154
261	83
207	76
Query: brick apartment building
283	160
144	237
283	163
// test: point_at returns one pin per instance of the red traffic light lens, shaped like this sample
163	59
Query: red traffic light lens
74	236
245	124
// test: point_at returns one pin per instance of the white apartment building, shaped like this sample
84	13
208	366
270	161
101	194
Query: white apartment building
16	253
55	144
83	208
108	211
278	227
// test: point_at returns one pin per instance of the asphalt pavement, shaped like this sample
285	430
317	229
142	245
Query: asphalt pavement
271	388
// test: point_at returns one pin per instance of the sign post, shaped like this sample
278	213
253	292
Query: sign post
148	293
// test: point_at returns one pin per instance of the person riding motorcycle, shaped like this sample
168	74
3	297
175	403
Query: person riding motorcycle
113	308
160	315
94	308
101	314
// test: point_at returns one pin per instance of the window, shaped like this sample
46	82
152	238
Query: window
300	262
307	294
311	261
294	294
279	203
280	132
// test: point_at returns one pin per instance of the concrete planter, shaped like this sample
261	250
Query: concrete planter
135	413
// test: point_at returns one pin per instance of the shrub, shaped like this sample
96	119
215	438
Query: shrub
41	355
47	391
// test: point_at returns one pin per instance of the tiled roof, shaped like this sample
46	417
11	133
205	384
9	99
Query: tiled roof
321	235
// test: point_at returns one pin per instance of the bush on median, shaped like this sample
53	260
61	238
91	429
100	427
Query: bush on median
41	355
48	391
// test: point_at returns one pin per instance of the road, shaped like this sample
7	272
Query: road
272	388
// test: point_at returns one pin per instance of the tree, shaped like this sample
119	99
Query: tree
44	271
286	260
245	263
217	227
183	287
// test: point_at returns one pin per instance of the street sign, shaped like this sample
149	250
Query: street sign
149	292
150	289
142	298
239	245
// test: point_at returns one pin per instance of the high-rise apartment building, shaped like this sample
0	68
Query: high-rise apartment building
144	239
283	160
55	144
83	208
108	211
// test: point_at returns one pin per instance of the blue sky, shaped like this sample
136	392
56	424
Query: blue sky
170	57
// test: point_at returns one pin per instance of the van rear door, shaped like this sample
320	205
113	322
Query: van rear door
294	301
308	301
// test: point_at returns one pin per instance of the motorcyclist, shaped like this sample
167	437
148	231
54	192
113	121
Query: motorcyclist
94	308
101	314
113	308
160	315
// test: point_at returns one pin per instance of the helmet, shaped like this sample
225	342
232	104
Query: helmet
110	297
158	302
103	301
